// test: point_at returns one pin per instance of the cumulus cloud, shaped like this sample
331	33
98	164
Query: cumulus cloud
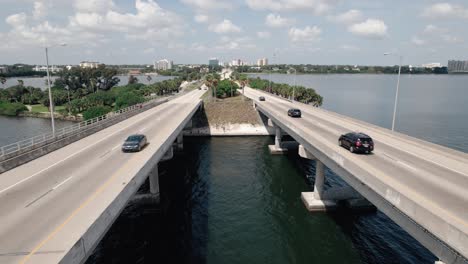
273	20
371	28
237	43
226	26
201	18
209	4
445	10
316	6
348	17
307	34
40	10
263	34
417	41
97	6
149	22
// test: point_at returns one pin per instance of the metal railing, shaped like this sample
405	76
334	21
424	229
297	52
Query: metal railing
40	140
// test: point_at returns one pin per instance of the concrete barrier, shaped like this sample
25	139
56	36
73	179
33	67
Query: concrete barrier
27	155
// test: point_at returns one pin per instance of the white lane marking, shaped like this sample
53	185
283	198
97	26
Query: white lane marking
115	147
74	154
60	184
143	129
395	160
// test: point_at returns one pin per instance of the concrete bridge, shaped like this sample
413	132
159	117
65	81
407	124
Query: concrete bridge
421	186
57	207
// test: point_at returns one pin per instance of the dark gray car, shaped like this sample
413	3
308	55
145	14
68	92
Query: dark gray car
134	143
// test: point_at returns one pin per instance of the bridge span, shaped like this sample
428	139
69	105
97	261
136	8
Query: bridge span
421	186
56	208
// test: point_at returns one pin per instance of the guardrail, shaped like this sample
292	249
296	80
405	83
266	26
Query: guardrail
9	150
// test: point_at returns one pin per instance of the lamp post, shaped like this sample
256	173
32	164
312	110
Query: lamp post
51	102
397	87
294	86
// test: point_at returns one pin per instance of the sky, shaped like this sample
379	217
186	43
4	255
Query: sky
356	32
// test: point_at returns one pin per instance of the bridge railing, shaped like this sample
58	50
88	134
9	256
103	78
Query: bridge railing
11	150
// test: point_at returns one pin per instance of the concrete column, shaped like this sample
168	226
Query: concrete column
319	179
180	141
277	137
254	105
276	148
154	180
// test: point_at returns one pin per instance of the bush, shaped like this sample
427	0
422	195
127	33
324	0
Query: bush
11	109
225	87
96	111
127	99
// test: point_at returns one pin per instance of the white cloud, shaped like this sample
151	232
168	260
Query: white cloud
198	47
430	29
17	20
371	28
201	18
226	26
263	34
348	17
316	6
451	39
40	10
94	6
308	34
417	41
273	20
445	10
209	4
228	43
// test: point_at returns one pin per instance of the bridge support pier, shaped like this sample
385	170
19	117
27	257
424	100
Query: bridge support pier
154	180
180	141
314	200
277	148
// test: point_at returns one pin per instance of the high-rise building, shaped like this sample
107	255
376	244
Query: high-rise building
455	66
213	62
163	64
262	62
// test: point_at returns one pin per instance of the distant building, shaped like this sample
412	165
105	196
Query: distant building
431	65
213	62
89	64
163	65
455	66
134	72
262	62
3	69
52	68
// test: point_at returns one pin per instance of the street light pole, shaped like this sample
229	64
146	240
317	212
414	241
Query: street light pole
397	89
51	102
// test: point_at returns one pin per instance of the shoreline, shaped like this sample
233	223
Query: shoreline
46	115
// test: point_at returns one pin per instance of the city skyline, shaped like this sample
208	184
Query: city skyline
192	31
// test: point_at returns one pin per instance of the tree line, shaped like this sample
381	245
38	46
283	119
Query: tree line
91	92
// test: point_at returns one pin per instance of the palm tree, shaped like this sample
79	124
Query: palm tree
20	82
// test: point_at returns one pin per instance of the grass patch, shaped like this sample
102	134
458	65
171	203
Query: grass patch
41	108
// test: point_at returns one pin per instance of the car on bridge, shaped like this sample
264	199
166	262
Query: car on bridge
294	112
134	143
356	142
261	98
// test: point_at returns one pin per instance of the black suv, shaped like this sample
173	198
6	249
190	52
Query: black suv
134	143
261	98
356	142
293	112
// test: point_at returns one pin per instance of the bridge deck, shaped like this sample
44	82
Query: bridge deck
47	205
425	181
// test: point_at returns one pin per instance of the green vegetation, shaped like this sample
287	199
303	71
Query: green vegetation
41	108
96	111
301	93
79	90
11	109
226	88
338	69
21	70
